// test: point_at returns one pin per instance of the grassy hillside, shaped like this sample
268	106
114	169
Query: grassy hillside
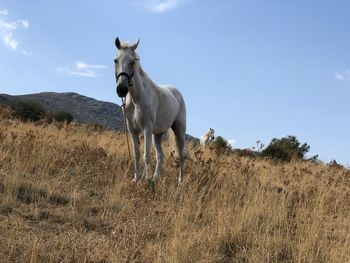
66	196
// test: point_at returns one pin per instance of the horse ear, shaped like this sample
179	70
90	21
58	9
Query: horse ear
117	43
134	46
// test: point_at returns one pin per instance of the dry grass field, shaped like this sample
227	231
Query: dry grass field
66	196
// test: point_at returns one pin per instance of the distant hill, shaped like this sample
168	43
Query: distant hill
82	108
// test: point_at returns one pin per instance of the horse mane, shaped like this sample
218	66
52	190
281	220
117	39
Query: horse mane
145	75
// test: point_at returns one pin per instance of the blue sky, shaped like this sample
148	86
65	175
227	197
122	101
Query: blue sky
250	69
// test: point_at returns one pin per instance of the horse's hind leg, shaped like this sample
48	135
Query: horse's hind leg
157	141
179	131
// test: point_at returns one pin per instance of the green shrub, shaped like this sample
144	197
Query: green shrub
63	116
286	149
221	144
29	111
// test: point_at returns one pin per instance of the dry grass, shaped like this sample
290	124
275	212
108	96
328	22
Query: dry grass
66	196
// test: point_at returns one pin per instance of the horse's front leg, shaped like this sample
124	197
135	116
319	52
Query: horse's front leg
147	151
136	148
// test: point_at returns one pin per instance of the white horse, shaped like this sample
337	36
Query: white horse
149	109
206	138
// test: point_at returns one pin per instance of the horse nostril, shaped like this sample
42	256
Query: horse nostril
122	90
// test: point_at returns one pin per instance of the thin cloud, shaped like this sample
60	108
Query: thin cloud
232	142
23	23
82	69
342	76
8	26
9	41
4	12
166	6
161	6
7	29
82	65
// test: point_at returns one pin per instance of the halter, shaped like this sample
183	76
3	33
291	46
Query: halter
129	77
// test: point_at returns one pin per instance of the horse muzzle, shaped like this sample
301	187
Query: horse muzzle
122	90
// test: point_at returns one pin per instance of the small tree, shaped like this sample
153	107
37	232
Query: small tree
29	111
285	149
258	148
63	116
221	144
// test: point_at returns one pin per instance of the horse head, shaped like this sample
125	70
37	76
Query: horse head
124	65
211	134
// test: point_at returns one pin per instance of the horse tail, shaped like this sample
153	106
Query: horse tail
172	143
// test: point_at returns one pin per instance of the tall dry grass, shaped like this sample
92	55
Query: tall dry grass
66	196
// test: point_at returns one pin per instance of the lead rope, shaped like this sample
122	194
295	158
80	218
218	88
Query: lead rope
126	130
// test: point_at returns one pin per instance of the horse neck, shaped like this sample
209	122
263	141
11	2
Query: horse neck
140	84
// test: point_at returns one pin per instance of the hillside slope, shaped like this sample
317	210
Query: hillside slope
82	108
66	196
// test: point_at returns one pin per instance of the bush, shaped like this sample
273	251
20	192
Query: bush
314	159
335	164
286	149
29	111
245	153
63	116
221	144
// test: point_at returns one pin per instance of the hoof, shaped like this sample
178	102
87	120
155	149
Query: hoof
135	180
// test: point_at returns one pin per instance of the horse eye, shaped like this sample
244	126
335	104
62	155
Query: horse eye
115	61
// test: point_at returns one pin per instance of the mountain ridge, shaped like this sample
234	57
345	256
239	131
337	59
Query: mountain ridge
83	109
